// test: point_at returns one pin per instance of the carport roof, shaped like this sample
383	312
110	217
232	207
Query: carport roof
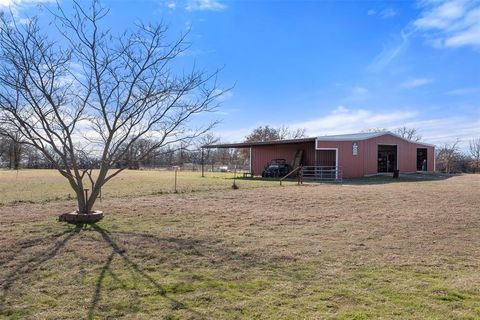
353	136
259	143
338	137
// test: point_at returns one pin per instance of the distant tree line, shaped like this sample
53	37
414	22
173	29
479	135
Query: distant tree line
14	154
267	133
450	159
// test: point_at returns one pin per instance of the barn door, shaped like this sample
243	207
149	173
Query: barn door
326	158
387	158
421	159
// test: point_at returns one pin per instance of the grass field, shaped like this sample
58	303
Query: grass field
46	185
405	250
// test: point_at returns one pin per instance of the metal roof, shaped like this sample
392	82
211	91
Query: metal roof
338	137
366	136
259	143
353	136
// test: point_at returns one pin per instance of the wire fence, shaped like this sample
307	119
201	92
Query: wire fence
42	185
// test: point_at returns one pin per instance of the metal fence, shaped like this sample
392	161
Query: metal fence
320	174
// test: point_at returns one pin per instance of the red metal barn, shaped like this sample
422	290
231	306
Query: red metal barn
357	155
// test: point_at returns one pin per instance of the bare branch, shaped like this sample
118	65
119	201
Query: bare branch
87	101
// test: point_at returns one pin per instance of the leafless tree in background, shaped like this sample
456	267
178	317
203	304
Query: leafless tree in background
474	149
267	133
404	132
448	157
92	94
409	133
208	153
11	149
261	134
284	132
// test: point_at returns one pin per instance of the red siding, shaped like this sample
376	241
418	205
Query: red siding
365	162
261	155
326	158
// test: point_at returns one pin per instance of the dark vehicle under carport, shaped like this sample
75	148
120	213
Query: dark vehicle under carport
276	168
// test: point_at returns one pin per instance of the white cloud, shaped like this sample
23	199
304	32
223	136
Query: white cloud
237	135
16	3
447	130
454	23
227	95
196	52
343	120
340	120
388	13
384	14
205	5
359	91
417	82
171	5
390	52
450	23
441	15
437	130
463	91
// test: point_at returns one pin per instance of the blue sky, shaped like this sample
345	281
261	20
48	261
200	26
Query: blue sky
330	66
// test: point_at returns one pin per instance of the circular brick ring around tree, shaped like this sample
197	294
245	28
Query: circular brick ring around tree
75	217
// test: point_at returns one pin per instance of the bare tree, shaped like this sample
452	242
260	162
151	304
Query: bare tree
94	94
228	156
261	134
448	157
135	156
409	133
267	133
474	148
208	153
284	132
11	149
3	151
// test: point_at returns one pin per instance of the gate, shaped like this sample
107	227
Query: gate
320	174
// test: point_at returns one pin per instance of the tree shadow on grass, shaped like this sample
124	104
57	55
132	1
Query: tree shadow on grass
12	252
135	270
209	252
24	268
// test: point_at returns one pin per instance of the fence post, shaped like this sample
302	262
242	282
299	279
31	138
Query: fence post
234	186
203	163
176	180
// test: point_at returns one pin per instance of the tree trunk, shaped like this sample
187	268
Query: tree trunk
96	189
93	197
82	204
11	156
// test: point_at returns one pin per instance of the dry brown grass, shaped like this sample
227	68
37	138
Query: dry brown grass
400	250
48	185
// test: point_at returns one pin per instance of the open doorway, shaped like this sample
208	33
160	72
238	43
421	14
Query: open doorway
326	158
387	158
422	159
326	161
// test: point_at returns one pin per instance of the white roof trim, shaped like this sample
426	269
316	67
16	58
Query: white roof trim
366	136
